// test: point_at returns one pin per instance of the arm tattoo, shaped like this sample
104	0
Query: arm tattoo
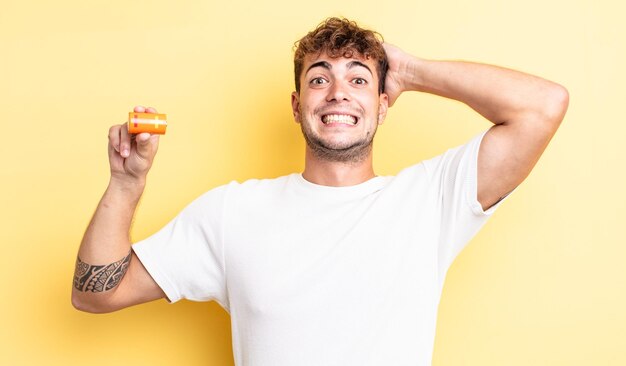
92	278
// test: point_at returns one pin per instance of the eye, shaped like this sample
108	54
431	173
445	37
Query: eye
318	81
359	81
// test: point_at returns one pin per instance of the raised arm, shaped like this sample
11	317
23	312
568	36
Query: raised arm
108	276
526	111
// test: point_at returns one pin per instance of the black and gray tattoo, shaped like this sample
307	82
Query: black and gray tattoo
92	278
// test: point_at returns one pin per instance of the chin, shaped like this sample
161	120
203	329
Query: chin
355	152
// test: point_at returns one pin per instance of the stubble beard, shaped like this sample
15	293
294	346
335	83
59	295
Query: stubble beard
355	152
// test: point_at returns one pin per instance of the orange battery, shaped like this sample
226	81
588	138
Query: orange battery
154	123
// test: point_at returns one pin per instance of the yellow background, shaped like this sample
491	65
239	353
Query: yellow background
542	284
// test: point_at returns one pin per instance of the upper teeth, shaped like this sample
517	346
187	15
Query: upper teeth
339	118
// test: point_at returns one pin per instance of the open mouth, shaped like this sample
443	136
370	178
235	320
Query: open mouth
340	119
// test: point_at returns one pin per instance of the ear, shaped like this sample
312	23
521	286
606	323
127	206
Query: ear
383	106
295	106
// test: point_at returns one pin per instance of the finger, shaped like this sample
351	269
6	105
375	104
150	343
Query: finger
114	137
150	110
139	109
146	144
124	141
390	47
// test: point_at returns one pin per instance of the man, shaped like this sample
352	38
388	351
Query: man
334	266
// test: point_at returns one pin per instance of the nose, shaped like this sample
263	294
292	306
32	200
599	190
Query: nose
338	92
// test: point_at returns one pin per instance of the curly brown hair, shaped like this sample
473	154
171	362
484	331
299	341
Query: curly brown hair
340	37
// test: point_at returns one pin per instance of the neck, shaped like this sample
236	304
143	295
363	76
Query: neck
337	174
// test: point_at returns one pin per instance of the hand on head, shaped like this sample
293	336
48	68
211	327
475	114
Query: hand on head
399	64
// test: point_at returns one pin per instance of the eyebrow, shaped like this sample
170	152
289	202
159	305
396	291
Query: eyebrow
349	65
323	64
355	63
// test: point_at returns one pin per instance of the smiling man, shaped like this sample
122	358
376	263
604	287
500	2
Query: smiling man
334	265
339	101
335	108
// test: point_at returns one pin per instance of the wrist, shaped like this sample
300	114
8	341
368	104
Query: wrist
129	188
413	74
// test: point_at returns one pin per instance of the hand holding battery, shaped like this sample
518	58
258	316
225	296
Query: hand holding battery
131	155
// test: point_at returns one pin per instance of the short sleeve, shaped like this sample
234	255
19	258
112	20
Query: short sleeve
454	176
185	257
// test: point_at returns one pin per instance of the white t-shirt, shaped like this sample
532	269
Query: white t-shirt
317	275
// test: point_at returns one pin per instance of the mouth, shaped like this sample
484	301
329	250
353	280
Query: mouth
335	118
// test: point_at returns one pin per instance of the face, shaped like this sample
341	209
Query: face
339	107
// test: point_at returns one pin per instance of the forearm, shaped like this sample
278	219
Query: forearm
503	96
104	253
107	236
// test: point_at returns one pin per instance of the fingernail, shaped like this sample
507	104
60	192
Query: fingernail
125	153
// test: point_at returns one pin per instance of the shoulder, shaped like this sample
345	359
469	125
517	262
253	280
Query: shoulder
257	186
451	167
464	155
247	186
250	190
264	183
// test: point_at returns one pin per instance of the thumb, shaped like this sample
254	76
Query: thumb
147	145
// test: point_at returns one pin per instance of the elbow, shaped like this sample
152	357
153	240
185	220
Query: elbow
556	106
79	302
80	305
